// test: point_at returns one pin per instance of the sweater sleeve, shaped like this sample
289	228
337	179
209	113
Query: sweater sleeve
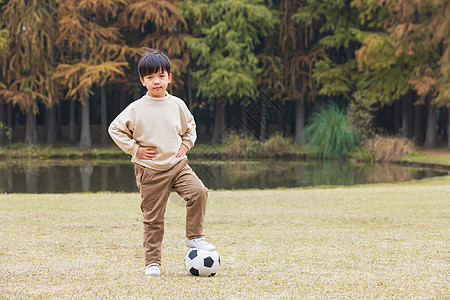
190	135
121	131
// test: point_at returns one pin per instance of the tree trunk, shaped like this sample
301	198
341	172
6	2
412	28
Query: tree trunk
51	125
10	121
406	116
72	122
58	123
189	86
104	121
219	122
282	120
9	115
300	123
448	128
30	129
397	122
85	138
2	126
120	103
244	116
417	125
137	93
431	135
208	120
263	122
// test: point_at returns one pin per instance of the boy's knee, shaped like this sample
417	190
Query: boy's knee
197	194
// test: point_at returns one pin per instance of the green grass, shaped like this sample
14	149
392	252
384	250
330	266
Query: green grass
20	151
365	242
435	157
60	152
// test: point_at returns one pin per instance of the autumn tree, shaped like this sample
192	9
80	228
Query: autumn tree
225	37
159	25
91	51
27	69
382	75
299	58
4	50
421	29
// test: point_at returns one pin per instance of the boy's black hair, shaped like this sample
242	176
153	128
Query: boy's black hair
152	61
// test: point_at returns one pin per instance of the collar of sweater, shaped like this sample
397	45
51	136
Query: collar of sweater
166	97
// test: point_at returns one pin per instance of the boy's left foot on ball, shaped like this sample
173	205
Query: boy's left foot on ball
200	243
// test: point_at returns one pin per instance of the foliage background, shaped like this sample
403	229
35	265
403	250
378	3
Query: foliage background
69	67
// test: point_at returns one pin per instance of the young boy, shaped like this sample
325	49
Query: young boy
157	130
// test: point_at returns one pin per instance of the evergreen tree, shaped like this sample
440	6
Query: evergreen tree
225	37
361	64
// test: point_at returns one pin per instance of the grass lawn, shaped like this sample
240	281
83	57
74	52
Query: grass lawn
371	241
429	156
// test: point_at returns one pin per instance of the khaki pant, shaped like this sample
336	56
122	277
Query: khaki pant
155	187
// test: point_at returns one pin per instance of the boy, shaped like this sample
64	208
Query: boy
157	130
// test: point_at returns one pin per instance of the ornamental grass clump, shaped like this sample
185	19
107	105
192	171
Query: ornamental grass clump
238	145
384	149
329	132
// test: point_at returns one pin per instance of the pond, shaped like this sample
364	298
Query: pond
118	176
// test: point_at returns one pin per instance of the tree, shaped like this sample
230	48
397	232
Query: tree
299	58
382	77
91	51
360	65
28	68
331	24
420	28
162	26
4	51
225	37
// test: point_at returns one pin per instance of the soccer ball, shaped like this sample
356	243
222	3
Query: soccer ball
202	263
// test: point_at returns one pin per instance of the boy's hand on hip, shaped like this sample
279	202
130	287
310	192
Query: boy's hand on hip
182	151
146	152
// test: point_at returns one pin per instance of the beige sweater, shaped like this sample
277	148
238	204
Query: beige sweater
161	122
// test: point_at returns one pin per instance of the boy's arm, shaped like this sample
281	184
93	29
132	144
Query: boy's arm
121	131
190	135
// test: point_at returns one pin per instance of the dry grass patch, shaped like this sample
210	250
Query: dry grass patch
377	241
385	149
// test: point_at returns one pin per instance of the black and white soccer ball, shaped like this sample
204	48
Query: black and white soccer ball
201	262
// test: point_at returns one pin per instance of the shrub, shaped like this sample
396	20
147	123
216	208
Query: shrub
360	113
385	149
241	145
238	145
329	131
276	145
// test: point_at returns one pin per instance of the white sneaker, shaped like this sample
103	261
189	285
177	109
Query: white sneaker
200	243
152	270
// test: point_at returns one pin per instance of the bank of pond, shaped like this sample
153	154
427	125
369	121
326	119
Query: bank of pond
118	176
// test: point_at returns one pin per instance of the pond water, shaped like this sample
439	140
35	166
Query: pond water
95	176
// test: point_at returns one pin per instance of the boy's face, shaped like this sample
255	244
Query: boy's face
157	83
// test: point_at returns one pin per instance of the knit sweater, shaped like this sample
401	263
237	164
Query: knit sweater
164	123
